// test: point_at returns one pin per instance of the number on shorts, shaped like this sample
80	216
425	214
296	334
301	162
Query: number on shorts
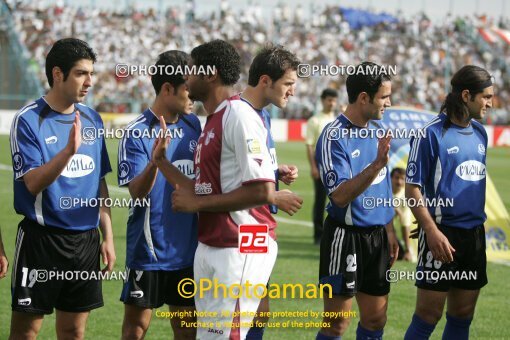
32	277
430	258
351	263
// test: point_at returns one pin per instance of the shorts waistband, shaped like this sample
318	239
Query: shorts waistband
27	223
366	230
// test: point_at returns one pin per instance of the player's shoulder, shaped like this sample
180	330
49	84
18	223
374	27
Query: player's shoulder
239	110
192	121
30	112
477	126
93	114
140	122
435	126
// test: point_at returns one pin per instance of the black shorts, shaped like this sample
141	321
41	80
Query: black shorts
468	269
354	259
154	288
47	266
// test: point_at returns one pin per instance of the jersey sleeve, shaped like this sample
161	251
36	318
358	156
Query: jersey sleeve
311	131
246	135
132	159
421	159
334	167
25	150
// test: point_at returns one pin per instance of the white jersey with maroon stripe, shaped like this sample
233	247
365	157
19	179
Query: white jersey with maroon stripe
231	151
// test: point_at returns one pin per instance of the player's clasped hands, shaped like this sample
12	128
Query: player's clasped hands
288	173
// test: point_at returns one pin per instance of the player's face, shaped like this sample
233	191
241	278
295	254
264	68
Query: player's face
328	104
279	91
381	101
482	102
397	182
180	101
197	86
79	81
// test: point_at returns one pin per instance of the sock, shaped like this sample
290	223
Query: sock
321	336
365	334
419	329
456	328
255	333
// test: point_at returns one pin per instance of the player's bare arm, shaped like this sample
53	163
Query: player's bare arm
437	241
4	263
40	178
314	169
392	240
247	196
171	173
349	190
105	224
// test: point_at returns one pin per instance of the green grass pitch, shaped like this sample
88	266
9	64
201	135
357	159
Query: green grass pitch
298	262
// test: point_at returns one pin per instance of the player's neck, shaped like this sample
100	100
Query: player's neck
58	103
216	96
251	95
160	110
355	116
462	123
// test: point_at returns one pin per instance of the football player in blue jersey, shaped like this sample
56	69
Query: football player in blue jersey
271	80
359	244
53	168
161	243
448	163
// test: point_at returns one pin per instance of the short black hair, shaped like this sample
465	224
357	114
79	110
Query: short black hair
329	93
64	54
398	171
367	77
273	61
172	58
222	56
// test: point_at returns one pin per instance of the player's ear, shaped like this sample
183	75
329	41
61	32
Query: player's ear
465	96
363	98
265	80
58	75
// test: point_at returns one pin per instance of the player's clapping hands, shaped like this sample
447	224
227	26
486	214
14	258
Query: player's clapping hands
287	173
74	142
161	143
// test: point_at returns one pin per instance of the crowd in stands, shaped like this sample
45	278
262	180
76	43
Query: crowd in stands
424	52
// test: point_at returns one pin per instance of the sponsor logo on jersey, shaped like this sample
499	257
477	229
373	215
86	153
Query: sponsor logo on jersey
453	150
80	165
185	166
51	140
355	153
471	171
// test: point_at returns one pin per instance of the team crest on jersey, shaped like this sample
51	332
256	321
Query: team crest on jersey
17	161
124	169
253	146
481	149
210	135
330	178
192	145
411	169
453	150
